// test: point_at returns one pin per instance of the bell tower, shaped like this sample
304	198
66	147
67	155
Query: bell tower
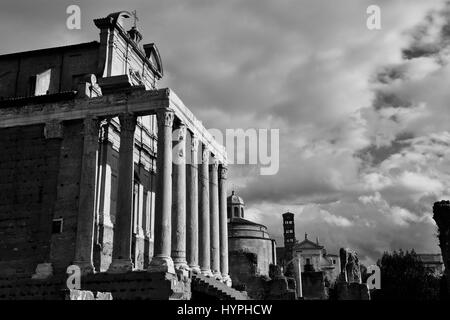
289	234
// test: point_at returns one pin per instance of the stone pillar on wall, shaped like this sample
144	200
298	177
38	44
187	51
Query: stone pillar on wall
87	209
179	198
192	207
223	224
162	261
105	227
204	223
121	261
214	218
52	130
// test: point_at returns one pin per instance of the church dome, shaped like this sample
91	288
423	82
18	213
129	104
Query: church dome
234	199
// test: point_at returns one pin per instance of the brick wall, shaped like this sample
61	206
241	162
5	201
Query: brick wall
28	172
62	250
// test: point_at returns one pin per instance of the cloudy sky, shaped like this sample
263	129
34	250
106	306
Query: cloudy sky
363	115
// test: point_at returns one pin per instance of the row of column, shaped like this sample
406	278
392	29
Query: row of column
190	205
190	218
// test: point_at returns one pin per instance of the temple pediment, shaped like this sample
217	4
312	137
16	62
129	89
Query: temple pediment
152	54
306	244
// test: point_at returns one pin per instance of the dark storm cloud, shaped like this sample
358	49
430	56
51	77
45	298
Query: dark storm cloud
424	43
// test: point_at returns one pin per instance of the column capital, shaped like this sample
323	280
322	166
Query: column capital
53	129
165	117
205	155
127	122
223	172
104	124
194	143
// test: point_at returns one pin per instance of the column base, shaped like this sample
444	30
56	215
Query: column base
206	272
161	264
182	272
181	268
217	275
120	266
227	280
180	264
195	269
85	267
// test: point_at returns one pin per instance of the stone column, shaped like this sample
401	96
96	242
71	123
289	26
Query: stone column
161	261
121	260
86	209
223	222
214	218
179	199
204	230
192	208
298	276
103	253
139	236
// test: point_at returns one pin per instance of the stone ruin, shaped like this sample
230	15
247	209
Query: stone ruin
350	268
441	214
243	271
349	285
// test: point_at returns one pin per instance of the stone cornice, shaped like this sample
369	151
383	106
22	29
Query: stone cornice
138	101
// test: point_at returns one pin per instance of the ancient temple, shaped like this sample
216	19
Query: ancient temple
103	170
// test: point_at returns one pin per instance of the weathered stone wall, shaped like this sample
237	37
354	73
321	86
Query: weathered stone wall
243	266
351	291
69	64
262	248
28	173
66	203
313	286
130	286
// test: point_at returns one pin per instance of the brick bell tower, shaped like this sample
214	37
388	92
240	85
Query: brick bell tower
289	235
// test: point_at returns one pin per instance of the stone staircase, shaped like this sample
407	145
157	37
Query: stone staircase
215	288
